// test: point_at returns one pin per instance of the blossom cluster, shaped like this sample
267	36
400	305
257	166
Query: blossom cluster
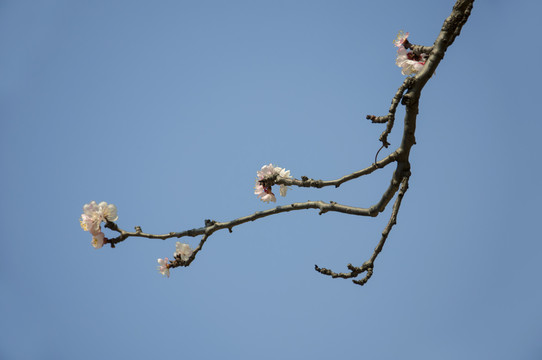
182	251
266	177
408	61
92	218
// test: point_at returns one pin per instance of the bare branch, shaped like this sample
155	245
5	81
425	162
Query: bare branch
390	118
306	182
368	266
212	226
464	9
387	195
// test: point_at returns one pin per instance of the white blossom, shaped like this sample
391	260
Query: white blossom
409	62
92	218
266	176
401	38
108	212
163	266
267	197
183	250
283	174
264	192
266	171
98	240
89	219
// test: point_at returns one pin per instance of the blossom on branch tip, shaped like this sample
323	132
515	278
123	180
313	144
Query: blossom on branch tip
108	211
184	251
89	219
401	38
266	177
163	266
268	196
283	174
92	218
98	240
409	62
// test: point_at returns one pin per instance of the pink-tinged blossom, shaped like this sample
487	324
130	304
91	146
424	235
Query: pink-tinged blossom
98	240
264	192
89	219
108	212
183	251
283	174
89	223
267	197
100	212
265	179
163	266
409	62
92	218
266	171
401	38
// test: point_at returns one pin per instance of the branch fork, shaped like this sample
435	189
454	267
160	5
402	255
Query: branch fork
408	95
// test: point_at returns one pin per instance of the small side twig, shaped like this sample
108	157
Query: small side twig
390	118
368	266
179	262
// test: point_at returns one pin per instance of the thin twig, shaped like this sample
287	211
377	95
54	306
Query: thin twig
368	266
306	182
213	226
390	118
179	262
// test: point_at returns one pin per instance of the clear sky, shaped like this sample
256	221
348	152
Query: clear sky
168	108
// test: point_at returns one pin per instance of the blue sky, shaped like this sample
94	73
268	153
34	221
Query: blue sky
167	109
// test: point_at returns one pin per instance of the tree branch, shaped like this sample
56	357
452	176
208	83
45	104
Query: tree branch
213	226
418	49
306	182
179	262
390	118
368	266
450	30
408	95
